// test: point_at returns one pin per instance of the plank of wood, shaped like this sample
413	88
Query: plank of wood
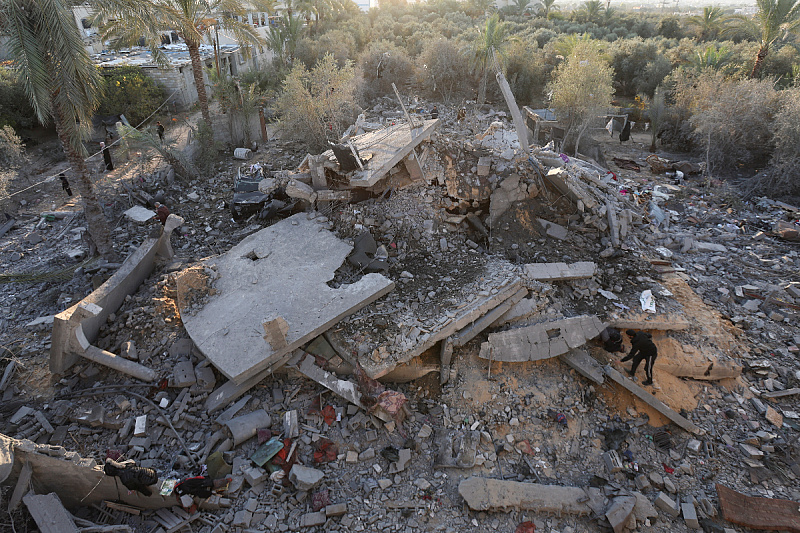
49	514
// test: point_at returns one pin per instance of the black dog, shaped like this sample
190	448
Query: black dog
642	348
612	340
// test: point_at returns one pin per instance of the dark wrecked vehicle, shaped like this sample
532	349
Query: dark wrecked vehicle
249	201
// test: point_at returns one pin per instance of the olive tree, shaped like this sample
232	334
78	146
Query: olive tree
582	88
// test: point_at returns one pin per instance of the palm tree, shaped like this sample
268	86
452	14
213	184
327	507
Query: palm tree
711	57
478	8
493	37
282	39
62	85
307	8
130	20
547	6
521	6
591	10
774	20
709	23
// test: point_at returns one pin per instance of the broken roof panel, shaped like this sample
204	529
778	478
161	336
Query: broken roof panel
385	148
269	295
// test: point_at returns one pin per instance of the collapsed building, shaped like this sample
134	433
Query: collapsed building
410	344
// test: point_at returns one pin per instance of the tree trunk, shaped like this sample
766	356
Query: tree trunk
199	81
482	86
762	54
95	219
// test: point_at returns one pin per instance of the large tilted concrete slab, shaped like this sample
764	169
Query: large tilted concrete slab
49	514
540	341
270	295
466	323
651	400
584	364
485	494
648	322
560	271
386	148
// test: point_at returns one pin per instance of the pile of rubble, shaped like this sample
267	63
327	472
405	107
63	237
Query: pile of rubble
473	279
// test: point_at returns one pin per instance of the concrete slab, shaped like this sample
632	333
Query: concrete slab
586	365
465	318
276	275
139	214
560	271
651	400
541	341
106	299
386	148
485	494
49	514
554	230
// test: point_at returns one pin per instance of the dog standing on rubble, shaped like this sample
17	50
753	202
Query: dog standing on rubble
642	349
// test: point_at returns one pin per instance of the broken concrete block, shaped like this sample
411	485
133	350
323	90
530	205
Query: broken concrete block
642	483
291	426
619	513
246	426
667	504
313	519
255	475
560	271
540	341
128	351
690	515
751	452
484	166
300	190
486	494
337	509
613	461
242	518
204	378
305	478
554	230
139	214
183	375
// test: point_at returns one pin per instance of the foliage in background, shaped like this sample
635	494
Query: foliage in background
383	63
12	156
782	177
731	119
15	110
582	89
240	103
129	91
493	39
442	67
317	105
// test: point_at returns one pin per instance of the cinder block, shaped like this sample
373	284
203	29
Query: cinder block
667	504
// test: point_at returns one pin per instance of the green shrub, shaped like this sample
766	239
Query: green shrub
128	90
15	110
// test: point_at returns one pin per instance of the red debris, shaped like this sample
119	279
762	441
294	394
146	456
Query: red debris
526	527
320	500
326	451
